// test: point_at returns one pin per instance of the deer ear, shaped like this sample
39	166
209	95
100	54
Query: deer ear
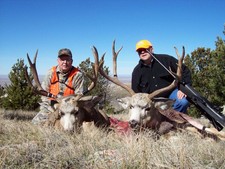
89	101
86	98
97	99
56	106
163	103
124	102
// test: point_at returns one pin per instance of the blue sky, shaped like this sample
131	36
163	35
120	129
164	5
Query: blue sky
48	25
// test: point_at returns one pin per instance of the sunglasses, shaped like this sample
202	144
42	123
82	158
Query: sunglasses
140	51
67	59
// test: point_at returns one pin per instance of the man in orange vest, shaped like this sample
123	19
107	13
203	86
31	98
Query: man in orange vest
63	79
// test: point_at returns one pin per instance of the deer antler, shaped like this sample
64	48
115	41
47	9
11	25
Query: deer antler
180	62
115	78
95	68
151	95
177	76
39	90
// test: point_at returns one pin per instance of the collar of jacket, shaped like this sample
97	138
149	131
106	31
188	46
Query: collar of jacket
63	74
142	64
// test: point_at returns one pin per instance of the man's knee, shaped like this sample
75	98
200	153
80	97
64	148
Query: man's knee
183	102
181	105
40	117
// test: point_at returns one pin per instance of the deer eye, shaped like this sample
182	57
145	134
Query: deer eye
62	114
147	109
75	113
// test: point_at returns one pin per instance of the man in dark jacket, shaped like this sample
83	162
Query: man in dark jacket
149	75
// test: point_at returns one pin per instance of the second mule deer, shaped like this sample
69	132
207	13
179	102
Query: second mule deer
148	111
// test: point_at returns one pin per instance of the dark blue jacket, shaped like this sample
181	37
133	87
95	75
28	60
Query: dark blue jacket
146	79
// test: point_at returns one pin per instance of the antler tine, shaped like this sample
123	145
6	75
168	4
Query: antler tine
157	92
115	78
101	62
178	76
95	68
115	54
27	76
35	57
96	64
180	61
34	70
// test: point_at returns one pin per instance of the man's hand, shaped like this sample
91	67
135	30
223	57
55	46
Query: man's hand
180	94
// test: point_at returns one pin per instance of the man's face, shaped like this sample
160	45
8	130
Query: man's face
65	63
144	55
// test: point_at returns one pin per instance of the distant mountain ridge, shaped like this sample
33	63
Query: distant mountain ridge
4	79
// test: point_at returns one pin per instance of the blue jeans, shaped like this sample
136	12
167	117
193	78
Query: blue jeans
180	105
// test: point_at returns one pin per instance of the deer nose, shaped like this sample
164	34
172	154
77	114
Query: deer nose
133	123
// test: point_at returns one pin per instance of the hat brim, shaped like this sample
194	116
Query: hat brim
64	55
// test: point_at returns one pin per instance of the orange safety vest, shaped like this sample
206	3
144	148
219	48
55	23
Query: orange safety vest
54	87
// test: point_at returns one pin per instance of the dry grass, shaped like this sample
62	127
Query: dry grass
24	145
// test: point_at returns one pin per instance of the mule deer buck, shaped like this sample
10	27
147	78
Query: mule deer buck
71	111
148	111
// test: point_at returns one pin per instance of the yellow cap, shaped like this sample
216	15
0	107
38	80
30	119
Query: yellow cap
143	44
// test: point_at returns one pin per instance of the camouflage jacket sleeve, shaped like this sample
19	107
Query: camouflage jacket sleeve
78	83
46	83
